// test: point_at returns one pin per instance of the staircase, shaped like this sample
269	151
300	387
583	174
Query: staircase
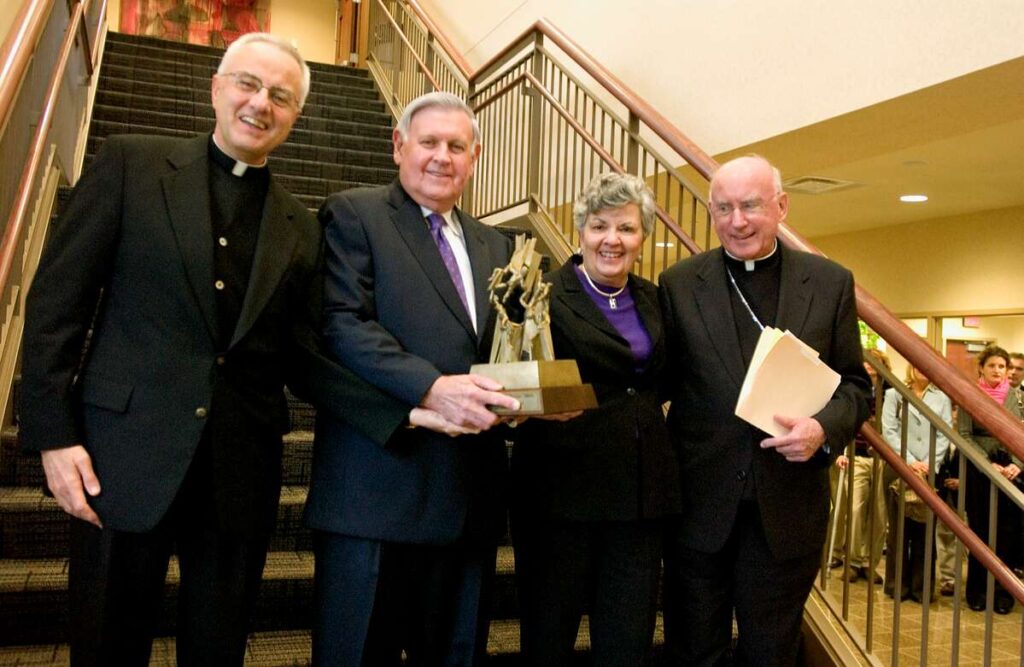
342	140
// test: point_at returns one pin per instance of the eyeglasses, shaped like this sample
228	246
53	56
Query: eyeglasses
747	207
251	84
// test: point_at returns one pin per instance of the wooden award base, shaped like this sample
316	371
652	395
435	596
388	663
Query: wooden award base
542	387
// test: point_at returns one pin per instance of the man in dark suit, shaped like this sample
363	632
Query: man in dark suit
406	534
755	508
164	432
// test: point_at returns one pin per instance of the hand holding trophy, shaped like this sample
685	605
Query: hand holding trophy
522	355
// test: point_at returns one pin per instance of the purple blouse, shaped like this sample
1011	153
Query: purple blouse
625	318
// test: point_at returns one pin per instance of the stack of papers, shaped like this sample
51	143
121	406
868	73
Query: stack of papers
786	378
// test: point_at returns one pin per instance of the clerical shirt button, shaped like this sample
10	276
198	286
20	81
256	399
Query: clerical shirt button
200	413
219	284
221	361
741	475
223	242
631	391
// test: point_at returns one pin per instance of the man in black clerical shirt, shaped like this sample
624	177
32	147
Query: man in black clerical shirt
755	508
164	434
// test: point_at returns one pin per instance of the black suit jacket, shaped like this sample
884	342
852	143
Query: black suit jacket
138	225
393	316
716	449
614	463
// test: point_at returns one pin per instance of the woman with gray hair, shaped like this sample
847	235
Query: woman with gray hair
590	494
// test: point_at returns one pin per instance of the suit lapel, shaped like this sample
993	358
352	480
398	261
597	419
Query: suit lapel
578	301
714	305
794	298
412	227
480	262
274	247
187	195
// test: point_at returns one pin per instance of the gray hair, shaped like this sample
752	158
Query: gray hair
267	38
440	100
613	191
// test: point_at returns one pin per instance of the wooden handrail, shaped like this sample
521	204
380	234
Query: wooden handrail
17	50
401	33
946	514
16	220
962	391
441	37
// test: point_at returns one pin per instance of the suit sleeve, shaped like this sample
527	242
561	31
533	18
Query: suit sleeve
848	408
75	265
331	386
353	333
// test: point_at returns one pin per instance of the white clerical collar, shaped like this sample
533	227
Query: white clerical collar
748	264
240	167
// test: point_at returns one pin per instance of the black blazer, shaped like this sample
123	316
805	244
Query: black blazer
705	372
614	463
138	224
393	316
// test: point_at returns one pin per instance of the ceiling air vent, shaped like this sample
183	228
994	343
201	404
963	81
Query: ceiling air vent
816	185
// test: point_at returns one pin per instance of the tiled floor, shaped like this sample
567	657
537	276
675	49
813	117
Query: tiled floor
1006	630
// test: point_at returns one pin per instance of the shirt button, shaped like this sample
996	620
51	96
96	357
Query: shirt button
631	391
223	242
200	413
741	475
219	284
221	360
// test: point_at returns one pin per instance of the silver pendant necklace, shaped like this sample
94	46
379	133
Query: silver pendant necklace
612	303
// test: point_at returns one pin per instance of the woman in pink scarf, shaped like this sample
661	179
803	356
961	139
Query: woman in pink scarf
992	364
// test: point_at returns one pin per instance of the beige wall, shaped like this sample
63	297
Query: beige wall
730	73
966	264
309	24
8	10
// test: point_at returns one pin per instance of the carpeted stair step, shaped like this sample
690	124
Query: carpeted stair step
293	647
33	526
198	77
33	596
185	119
200	106
297	143
319	98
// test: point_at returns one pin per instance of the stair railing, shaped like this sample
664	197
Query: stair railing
893	455
547	131
46	85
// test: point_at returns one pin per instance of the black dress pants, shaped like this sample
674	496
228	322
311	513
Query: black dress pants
767	594
608	569
116	583
1008	524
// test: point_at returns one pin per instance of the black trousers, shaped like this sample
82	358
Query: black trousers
703	590
1008	525
609	569
116	583
375	601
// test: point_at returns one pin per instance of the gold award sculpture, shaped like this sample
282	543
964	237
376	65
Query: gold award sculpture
522	355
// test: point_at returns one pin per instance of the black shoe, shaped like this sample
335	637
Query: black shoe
834	563
1004	606
854	575
946	590
976	604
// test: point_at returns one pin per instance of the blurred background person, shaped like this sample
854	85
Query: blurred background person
948	483
867	501
917	457
589	494
992	364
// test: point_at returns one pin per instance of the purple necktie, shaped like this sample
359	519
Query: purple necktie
437	223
